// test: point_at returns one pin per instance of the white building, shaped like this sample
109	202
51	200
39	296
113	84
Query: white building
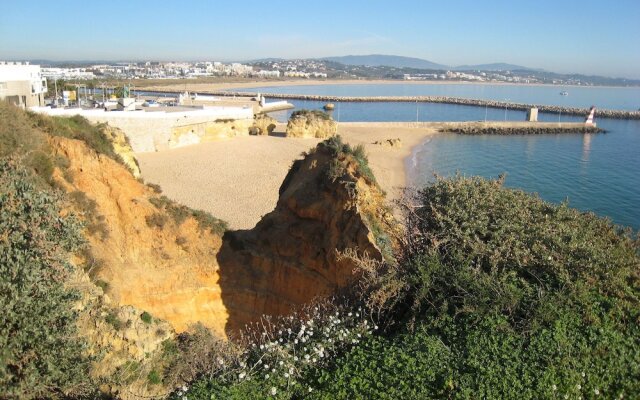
22	84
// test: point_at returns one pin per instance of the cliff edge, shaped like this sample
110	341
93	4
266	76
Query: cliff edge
329	202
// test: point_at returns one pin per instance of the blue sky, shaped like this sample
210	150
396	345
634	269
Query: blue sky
591	37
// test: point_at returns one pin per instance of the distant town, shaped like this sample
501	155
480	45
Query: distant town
310	69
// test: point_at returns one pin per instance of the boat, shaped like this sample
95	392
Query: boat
564	93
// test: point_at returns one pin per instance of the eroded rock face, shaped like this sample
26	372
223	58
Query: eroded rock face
148	260
326	206
311	124
123	148
158	261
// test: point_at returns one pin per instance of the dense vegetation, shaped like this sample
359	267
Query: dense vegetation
23	135
497	294
40	353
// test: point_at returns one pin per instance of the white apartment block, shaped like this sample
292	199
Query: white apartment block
22	84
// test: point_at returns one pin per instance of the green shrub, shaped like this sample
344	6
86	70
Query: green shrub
94	221
40	352
501	295
340	150
79	128
154	377
156	220
115	321
146	317
155	187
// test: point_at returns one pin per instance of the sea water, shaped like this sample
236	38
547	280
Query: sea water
593	172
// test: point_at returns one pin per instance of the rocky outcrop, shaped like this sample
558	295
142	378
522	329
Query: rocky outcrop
328	204
311	124
122	147
194	133
157	256
389	143
263	125
121	338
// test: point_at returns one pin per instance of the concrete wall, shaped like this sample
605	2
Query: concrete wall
158	130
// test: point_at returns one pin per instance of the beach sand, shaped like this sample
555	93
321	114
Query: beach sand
238	179
213	85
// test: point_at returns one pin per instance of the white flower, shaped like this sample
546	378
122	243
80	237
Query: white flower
274	391
242	375
314	359
350	314
583	374
579	386
375	327
184	388
295	358
554	387
266	366
596	391
281	362
286	374
261	347
549	258
266	376
295	341
306	356
310	389
220	361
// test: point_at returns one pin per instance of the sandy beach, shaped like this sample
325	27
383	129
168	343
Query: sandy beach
210	85
238	179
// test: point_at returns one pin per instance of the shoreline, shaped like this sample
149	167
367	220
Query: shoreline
237	179
181	86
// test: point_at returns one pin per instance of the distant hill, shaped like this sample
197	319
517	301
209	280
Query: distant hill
494	67
377	60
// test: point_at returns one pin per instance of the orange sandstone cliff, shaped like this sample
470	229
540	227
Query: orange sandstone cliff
328	204
160	257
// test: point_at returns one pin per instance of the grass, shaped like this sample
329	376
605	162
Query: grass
340	150
180	213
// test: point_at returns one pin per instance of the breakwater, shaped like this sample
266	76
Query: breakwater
614	114
516	128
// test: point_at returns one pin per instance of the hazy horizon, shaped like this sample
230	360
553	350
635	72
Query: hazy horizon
573	37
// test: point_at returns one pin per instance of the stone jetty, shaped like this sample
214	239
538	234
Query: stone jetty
515	128
614	114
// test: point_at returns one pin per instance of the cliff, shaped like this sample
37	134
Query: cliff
329	202
147	256
164	258
311	124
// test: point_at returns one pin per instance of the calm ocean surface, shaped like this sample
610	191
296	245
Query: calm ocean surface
601	97
595	172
